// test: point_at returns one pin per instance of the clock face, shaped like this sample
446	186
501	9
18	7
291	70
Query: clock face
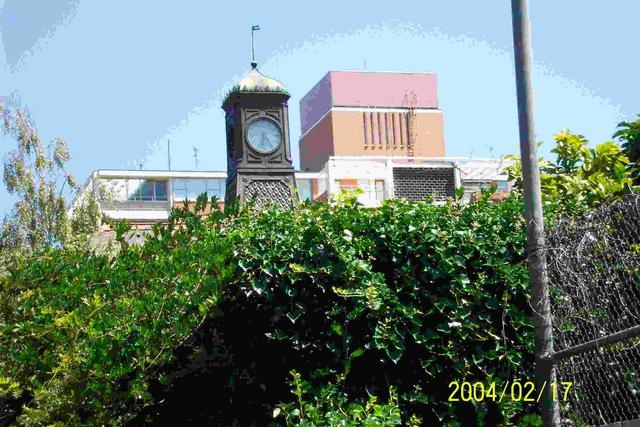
264	135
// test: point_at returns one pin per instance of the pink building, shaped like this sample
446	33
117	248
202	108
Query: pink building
360	113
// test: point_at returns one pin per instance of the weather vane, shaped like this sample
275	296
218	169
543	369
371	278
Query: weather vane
253	53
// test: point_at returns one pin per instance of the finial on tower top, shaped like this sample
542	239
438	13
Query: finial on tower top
253	52
254	64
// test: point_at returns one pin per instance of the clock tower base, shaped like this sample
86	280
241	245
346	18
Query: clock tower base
277	187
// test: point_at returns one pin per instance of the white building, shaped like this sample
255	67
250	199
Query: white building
145	197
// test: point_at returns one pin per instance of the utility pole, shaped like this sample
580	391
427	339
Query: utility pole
544	370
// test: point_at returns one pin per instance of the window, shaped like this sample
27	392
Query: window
380	124
180	189
363	184
216	187
347	184
160	190
371	190
115	189
304	189
379	189
386	129
408	127
196	187
365	126
502	185
133	189
374	132
146	190
192	188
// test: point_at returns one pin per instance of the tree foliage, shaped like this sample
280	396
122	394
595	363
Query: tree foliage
581	177
628	134
36	175
82	334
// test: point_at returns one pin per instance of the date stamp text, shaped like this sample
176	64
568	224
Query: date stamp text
516	391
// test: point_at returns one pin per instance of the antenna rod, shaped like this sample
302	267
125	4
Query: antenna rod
195	156
169	153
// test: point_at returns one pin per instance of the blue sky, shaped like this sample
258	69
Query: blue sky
117	79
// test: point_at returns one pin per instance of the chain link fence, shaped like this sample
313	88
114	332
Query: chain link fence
594	285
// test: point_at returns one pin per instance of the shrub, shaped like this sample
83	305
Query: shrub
82	334
329	406
407	297
410	295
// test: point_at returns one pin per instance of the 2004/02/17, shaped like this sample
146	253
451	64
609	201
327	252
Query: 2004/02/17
518	391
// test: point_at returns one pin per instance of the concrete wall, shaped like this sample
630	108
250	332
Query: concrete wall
383	89
367	89
371	132
429	134
384	133
317	145
348	132
315	103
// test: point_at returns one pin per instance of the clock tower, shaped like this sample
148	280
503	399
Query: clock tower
259	165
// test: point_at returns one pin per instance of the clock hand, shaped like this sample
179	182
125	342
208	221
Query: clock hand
264	142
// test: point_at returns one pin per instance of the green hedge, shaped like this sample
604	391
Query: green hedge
407	297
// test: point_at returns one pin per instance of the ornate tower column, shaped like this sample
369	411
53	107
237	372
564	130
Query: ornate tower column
259	164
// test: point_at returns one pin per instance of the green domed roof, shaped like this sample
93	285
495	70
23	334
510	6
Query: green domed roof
255	81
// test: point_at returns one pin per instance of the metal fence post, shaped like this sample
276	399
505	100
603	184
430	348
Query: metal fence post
544	371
